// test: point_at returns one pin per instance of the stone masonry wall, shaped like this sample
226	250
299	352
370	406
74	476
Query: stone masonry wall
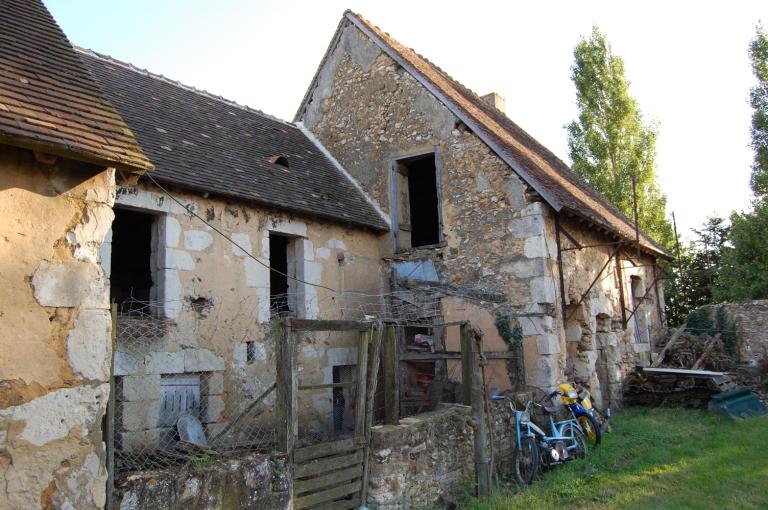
55	331
597	350
257	482
752	327
368	111
215	300
427	460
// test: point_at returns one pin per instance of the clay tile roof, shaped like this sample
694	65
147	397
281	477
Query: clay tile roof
563	189
48	100
202	142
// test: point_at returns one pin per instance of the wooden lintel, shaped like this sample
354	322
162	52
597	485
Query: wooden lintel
437	356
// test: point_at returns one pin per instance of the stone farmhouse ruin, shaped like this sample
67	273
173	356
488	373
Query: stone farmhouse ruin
184	226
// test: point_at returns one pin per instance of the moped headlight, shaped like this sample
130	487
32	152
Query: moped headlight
572	394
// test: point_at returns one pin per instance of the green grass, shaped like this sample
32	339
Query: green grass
657	459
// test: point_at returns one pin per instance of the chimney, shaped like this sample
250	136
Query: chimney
496	101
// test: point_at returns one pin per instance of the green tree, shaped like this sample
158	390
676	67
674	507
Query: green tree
758	99
695	279
744	272
610	144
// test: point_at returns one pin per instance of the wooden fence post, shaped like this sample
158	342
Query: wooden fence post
467	362
373	375
110	432
391	377
362	374
286	401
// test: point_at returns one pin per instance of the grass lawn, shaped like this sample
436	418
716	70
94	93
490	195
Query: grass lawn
658	459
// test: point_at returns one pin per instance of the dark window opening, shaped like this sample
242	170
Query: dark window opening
342	399
250	352
423	207
131	271
280	161
278	279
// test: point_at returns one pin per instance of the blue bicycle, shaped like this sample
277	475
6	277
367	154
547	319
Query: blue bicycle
537	449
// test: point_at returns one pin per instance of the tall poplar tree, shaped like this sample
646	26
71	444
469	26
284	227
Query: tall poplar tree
610	144
758	99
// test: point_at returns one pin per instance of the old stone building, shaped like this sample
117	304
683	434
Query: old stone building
490	207
396	193
62	147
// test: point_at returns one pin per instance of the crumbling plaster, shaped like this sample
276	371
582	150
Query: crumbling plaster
54	333
233	279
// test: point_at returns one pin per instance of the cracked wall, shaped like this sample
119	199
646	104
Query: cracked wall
54	333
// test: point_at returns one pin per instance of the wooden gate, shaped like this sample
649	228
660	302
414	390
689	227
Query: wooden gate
329	472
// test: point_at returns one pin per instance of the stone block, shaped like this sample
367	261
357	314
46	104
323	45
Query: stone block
542	289
139	415
527	226
179	259
172	293
164	363
483	183
212	408
323	253
125	364
548	344
202	360
88	345
170	231
197	240
244	241
573	333
535	247
70	284
256	274
212	384
140	387
137	440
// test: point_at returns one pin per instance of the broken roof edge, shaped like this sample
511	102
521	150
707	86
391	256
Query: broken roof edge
189	88
647	243
311	137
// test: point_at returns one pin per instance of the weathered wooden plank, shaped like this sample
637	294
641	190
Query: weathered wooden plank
479	393
329	480
327	386
373	377
391	377
324	450
286	401
345	504
327	495
467	362
317	467
362	380
435	356
331	325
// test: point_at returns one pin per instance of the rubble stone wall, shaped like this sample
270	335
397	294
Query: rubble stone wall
752	327
257	482
427	460
215	299
597	350
368	111
55	329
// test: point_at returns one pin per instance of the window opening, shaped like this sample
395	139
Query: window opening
250	352
278	281
418	199
131	265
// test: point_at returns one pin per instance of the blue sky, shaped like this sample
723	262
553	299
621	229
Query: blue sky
687	62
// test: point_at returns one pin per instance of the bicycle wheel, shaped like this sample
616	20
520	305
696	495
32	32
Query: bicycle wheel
577	446
591	428
526	460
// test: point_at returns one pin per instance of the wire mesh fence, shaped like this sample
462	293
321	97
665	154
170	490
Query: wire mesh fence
171	401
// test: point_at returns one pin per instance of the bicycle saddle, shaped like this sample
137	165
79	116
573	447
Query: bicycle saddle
553	409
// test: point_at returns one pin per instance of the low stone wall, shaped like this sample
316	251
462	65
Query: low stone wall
427	460
752	326
255	482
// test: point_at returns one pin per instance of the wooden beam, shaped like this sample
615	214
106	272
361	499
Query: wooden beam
329	480
318	467
482	456
110	432
558	230
467	362
391	377
327	386
327	495
373	377
362	376
438	356
324	450
286	401
622	300
316	325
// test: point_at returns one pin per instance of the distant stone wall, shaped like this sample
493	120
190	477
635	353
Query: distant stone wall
428	460
752	326
256	482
